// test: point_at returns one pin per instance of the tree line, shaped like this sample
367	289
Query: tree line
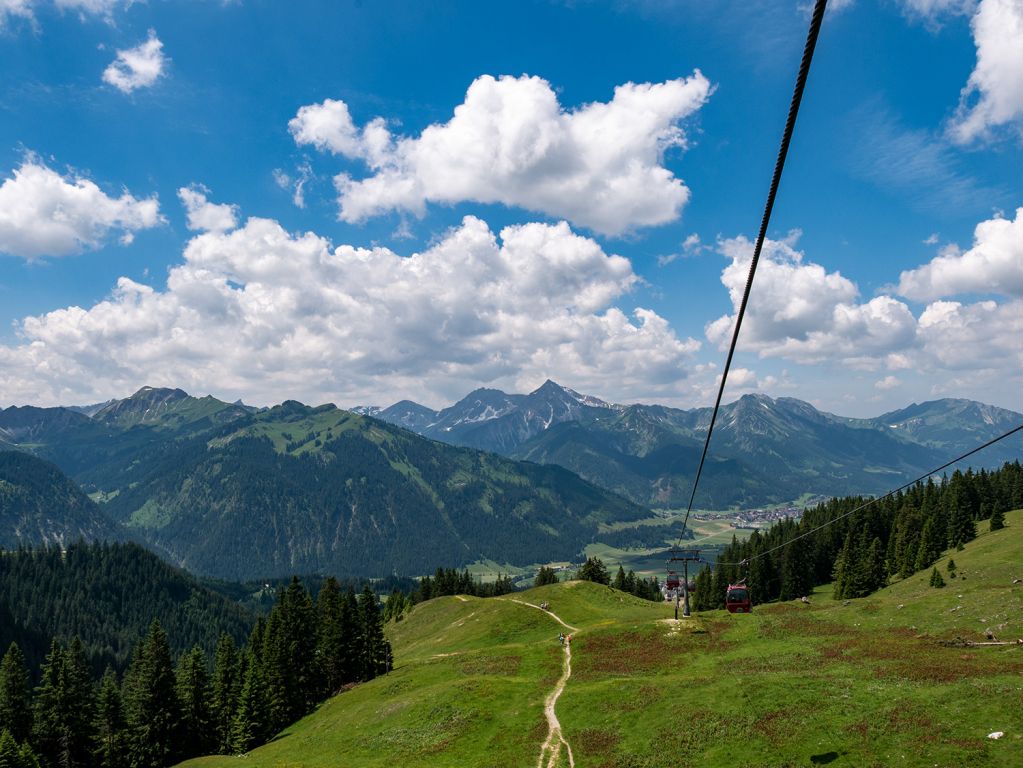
106	595
862	551
163	712
594	570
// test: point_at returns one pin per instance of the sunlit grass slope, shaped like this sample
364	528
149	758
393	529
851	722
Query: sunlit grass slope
863	683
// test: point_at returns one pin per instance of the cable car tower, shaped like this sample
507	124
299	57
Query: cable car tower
685	557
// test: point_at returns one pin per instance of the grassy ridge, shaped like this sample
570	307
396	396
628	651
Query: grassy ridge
864	683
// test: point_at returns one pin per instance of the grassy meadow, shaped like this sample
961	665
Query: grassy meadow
881	681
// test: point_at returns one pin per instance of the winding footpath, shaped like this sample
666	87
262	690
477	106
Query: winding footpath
551	747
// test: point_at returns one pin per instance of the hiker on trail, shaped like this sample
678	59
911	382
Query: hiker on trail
569	639
561	637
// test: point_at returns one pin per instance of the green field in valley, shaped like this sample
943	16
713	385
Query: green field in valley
880	681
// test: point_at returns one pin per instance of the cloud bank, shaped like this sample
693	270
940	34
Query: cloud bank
600	166
258	312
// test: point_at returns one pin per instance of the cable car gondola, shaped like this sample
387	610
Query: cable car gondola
737	598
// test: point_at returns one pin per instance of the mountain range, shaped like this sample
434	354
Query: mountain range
232	491
764	450
228	491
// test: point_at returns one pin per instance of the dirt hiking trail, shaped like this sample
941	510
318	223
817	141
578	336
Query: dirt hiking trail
551	747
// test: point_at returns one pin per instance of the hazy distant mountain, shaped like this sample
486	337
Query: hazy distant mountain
170	408
40	505
764	450
491	420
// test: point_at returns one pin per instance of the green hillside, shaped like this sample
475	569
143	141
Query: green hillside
862	682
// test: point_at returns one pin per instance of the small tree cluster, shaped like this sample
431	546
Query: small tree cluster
648	589
546	575
448	581
594	570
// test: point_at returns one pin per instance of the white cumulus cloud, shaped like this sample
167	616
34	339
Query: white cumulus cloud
137	67
204	215
802	312
43	213
262	313
993	95
993	265
512	142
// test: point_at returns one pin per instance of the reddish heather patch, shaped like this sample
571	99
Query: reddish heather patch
595	742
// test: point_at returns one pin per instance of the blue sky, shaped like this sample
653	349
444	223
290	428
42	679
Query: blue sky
895	273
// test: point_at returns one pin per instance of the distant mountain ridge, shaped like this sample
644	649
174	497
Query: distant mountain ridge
228	491
764	450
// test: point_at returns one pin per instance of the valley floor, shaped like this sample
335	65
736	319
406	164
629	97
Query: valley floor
860	683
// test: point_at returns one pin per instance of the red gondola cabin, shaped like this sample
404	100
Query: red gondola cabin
737	599
672	582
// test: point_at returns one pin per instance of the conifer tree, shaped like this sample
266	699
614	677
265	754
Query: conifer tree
877	574
936	579
376	651
961	528
47	717
251	721
13	755
151	706
225	689
64	705
546	575
703	600
303	683
619	579
109	724
331	652
796	574
931	539
594	570
193	689
998	516
15	695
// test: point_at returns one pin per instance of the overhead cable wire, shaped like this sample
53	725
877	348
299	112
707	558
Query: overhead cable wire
891	493
797	96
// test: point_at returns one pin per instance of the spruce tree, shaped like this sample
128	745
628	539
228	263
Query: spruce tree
47	725
251	724
151	706
961	528
330	651
931	538
703	599
110	724
15	695
796	575
877	574
936	579
594	570
193	689
79	705
304	686
375	650
546	575
998	516
225	689
64	705
13	755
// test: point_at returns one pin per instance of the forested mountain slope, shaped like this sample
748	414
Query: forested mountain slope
107	595
40	505
298	490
